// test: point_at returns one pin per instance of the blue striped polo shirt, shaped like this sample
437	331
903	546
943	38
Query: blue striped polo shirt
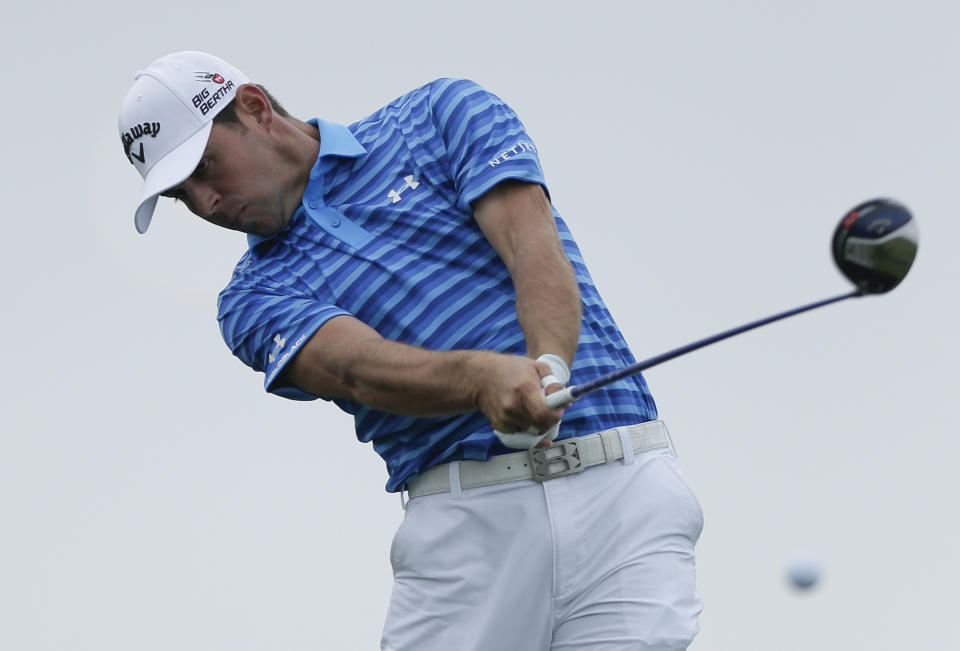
385	233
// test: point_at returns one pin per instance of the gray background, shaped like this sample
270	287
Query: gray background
153	497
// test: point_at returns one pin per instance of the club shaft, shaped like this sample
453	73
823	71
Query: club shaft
570	394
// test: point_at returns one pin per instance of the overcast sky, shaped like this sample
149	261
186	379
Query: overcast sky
152	497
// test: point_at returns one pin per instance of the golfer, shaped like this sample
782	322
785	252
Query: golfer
411	269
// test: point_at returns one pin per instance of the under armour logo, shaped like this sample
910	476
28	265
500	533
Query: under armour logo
276	349
408	182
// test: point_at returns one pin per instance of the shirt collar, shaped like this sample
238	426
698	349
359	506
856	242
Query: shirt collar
335	140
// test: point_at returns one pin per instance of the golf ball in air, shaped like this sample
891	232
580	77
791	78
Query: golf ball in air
803	573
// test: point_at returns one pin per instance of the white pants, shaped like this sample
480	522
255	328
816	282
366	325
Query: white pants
601	560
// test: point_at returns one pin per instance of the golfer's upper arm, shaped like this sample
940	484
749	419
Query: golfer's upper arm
322	367
515	216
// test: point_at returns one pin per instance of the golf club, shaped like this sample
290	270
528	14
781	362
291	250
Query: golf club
873	246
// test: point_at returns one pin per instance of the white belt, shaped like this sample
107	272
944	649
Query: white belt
566	457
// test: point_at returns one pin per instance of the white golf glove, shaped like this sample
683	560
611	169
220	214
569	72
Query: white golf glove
559	374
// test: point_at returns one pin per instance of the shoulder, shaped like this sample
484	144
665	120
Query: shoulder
258	271
443	87
437	93
442	108
450	91
455	102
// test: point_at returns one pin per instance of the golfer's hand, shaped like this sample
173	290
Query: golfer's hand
510	395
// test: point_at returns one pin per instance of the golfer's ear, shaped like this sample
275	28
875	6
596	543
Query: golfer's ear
252	103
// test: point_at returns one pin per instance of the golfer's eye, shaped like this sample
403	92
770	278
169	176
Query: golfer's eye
176	195
202	168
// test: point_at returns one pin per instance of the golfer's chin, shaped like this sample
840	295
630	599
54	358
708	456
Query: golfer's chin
262	226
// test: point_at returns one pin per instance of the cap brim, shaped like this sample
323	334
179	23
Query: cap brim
171	170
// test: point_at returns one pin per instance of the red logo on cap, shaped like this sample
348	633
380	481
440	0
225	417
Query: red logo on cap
217	79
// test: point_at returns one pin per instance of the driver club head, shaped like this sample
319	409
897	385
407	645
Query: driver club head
875	244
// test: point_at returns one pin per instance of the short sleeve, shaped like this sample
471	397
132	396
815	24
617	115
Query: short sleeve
265	329
485	141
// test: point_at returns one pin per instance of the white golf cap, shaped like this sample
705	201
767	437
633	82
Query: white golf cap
166	117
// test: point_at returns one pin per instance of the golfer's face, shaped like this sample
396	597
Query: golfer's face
238	183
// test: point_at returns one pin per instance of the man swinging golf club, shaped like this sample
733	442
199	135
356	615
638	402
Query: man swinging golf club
411	268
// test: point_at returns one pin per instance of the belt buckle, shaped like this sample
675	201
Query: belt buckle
566	454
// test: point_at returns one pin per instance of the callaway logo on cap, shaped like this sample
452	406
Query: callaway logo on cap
166	117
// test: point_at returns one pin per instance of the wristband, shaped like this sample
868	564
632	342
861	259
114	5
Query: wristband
547	380
558	367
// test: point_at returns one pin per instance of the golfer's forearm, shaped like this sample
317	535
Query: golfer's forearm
411	381
345	359
548	301
517	219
